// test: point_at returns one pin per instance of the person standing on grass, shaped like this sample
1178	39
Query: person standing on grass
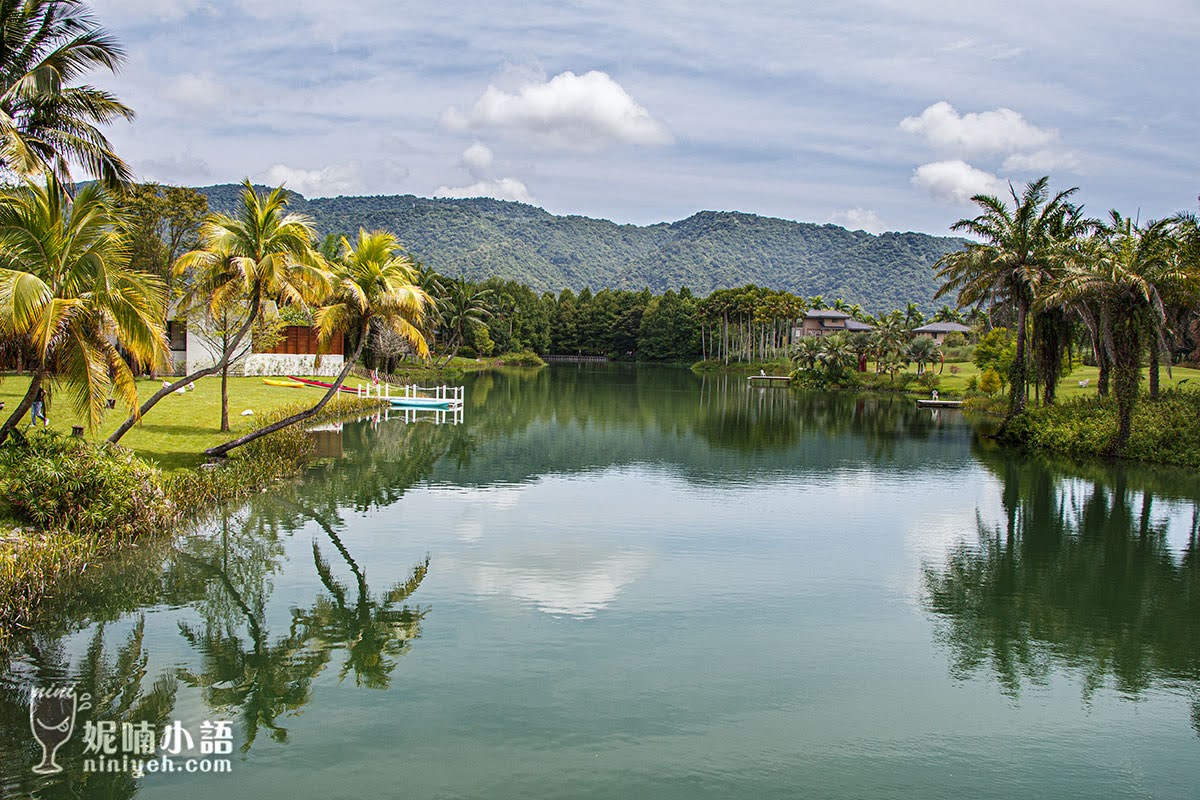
39	408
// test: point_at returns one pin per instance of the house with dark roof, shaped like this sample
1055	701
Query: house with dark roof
938	331
824	321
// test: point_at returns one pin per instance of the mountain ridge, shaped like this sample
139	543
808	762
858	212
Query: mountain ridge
477	238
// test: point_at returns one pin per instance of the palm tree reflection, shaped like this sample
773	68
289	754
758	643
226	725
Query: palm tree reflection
1077	576
261	676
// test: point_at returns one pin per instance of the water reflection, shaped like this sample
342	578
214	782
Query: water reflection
249	668
1076	575
112	686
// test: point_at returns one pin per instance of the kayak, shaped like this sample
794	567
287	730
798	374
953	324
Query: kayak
321	384
289	384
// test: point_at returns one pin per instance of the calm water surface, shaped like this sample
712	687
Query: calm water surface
620	583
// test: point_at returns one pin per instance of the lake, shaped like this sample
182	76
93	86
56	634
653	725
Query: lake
615	582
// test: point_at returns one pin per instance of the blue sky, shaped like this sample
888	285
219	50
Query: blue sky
875	114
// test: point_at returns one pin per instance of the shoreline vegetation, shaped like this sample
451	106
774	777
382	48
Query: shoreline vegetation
53	535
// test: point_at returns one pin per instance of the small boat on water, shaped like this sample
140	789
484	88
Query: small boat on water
288	383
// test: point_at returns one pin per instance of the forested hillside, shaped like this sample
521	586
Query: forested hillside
481	237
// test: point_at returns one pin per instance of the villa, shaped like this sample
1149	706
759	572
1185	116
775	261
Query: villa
938	331
294	354
822	322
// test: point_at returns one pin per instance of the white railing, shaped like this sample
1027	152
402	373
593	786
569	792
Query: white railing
453	395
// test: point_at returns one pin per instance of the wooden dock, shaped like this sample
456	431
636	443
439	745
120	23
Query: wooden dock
939	404
770	379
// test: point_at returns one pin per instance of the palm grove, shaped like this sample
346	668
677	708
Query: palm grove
89	275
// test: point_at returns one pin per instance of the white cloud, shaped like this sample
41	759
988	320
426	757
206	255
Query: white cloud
1002	131
196	90
858	219
477	159
955	181
572	111
1042	161
499	188
329	181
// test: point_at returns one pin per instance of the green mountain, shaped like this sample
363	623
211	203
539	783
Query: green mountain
709	250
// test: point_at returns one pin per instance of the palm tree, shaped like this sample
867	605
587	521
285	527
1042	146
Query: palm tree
1019	249
1124	268
68	294
835	355
861	342
46	122
463	307
913	318
805	351
373	284
923	350
260	252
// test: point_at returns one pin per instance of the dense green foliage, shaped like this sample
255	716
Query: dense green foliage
1164	430
482	238
56	482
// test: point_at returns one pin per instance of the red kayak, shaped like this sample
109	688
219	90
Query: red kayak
321	384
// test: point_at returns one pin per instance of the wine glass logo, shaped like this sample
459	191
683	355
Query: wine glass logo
52	719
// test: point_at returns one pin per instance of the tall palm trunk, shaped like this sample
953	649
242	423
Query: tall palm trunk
1154	366
225	398
223	449
23	407
1018	379
1127	353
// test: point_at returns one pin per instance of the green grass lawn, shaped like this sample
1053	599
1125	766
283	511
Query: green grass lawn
181	426
1068	387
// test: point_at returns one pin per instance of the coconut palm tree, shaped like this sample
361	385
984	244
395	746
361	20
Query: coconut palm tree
923	350
47	122
67	293
1124	268
805	351
835	356
260	252
462	308
373	284
1019	249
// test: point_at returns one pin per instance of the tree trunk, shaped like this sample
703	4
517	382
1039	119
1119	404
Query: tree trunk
185	380
1127	354
225	399
1017	376
222	450
23	407
1154	367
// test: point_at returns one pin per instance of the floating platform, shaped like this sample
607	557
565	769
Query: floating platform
939	404
769	378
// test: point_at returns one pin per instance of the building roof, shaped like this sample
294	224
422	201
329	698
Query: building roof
943	327
825	313
855	325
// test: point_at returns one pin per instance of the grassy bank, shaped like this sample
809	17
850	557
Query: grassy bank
72	504
176	432
1165	430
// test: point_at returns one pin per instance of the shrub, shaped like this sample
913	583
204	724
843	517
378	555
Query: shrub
954	339
525	358
929	380
990	382
55	482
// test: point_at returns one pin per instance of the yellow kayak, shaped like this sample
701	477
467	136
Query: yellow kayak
289	384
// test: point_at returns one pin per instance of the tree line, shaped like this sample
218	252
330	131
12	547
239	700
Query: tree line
1131	288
